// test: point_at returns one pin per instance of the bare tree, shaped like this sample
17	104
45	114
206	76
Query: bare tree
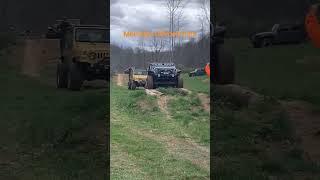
157	44
205	14
174	7
142	47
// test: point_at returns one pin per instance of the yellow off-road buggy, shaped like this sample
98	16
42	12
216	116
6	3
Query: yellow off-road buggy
137	78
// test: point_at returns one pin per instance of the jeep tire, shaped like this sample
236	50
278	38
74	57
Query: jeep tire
149	83
265	42
75	79
180	83
62	76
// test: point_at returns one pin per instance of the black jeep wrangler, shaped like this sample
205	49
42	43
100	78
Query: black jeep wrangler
163	74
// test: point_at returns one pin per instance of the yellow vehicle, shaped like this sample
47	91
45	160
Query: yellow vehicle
84	56
137	78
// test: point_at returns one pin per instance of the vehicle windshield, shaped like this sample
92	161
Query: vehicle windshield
275	27
140	72
91	35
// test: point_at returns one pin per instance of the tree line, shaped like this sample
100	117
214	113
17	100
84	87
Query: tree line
186	56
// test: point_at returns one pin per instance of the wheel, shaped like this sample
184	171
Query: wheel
266	42
224	67
129	85
62	76
149	83
133	85
75	79
180	82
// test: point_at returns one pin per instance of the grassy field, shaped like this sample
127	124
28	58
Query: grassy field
158	138
286	72
260	142
47	133
198	84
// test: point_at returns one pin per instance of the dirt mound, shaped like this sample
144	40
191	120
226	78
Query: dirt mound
37	53
122	79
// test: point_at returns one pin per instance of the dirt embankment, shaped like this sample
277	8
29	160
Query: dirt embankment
31	55
305	121
121	79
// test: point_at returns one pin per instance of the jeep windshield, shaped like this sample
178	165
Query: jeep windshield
275	28
91	35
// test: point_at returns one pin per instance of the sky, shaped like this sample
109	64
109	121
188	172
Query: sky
148	15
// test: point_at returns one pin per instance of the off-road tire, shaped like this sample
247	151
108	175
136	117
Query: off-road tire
149	83
180	83
129	85
62	76
224	69
75	79
265	42
133	85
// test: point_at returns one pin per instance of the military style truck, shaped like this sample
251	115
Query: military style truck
84	55
280	34
163	74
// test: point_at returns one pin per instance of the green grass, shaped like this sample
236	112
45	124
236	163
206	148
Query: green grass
197	84
256	143
35	117
286	72
259	142
134	115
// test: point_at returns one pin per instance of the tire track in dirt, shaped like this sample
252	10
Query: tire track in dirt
163	105
205	101
185	149
307	127
182	148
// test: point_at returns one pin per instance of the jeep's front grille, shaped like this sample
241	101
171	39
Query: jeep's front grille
101	55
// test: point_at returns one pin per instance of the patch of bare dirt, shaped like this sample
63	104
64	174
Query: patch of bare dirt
163	105
205	101
162	101
182	148
38	53
307	127
122	79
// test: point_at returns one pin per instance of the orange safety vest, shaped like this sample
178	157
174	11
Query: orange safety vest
313	26
207	69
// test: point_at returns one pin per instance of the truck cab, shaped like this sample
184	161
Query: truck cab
85	55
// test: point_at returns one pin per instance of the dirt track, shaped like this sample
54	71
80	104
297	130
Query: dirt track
307	126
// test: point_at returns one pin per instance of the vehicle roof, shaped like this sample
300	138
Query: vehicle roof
162	64
140	69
